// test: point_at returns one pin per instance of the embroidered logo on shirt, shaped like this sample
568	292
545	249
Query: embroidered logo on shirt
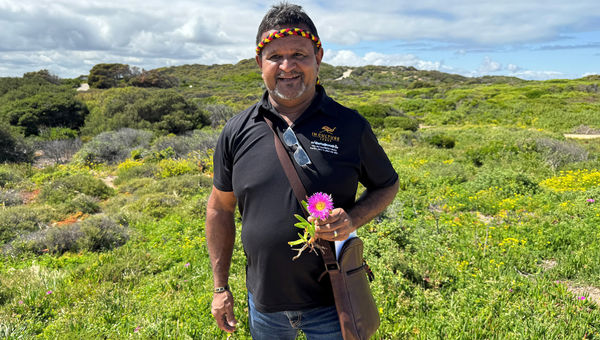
324	147
325	138
328	129
326	134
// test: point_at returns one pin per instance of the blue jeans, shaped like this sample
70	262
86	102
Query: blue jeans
319	323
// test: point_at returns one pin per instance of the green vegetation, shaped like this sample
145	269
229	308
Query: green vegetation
493	235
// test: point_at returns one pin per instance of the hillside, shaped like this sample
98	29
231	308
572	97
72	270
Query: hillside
493	234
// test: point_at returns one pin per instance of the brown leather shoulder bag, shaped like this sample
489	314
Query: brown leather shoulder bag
349	276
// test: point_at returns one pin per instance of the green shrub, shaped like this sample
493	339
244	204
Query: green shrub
450	174
171	167
68	188
376	110
114	146
376	122
83	203
143	170
163	111
19	219
59	151
132	184
13	148
156	205
57	133
219	114
195	207
101	232
57	171
478	155
97	233
559	153
48	106
104	76
197	141
10	197
6	177
509	182
405	123
441	141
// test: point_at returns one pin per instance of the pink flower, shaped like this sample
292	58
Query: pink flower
20	302
186	265
49	292
591	200
320	205
137	329
582	298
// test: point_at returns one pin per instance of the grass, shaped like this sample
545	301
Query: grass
487	238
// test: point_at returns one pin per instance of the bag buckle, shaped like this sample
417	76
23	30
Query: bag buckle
332	266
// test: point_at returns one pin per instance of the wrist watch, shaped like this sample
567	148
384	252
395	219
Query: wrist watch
221	289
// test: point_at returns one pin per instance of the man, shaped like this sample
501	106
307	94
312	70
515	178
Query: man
334	151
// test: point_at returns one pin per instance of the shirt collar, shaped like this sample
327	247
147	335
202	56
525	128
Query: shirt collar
320	104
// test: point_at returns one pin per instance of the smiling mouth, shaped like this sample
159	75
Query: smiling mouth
289	78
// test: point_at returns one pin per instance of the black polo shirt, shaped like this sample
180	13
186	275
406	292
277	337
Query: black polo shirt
343	150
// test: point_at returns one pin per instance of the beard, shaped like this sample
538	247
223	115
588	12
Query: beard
298	93
290	93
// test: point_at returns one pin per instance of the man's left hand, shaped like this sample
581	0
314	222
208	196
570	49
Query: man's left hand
336	227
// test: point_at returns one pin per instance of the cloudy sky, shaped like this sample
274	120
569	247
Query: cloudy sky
530	39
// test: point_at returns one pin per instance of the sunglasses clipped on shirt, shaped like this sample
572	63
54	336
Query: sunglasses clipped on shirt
300	156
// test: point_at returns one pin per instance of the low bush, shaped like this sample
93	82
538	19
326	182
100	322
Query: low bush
13	147
558	153
441	141
171	167
57	133
102	232
491	149
133	171
67	188
405	123
97	233
57	171
59	151
586	130
133	184
505	181
7	176
81	203
20	219
197	141
376	122
10	197
114	146
219	114
376	110
156	205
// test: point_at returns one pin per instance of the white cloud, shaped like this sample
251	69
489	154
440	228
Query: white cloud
67	37
349	58
513	68
480	22
538	75
489	66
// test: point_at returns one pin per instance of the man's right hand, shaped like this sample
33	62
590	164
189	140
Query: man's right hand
222	310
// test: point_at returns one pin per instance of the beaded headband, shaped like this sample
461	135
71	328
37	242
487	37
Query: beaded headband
285	33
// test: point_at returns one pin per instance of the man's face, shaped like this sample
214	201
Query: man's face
289	68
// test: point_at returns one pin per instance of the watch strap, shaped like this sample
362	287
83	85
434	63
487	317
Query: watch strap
221	289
